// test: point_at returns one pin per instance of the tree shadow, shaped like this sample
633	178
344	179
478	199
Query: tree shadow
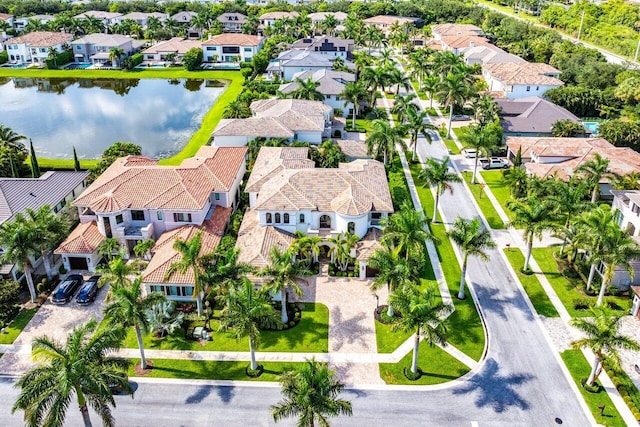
499	304
348	330
495	390
226	393
199	395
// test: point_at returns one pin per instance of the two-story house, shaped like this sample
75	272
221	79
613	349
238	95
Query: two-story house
8	18
22	22
33	48
331	85
136	199
164	50
288	194
626	204
386	22
232	22
326	45
291	119
96	48
231	48
107	18
442	30
293	61
142	18
184	18
488	54
318	19
522	79
270	18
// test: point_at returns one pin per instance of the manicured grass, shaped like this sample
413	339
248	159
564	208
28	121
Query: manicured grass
531	285
451	146
499	189
489	212
424	193
437	365
310	335
461	133
16	326
566	290
214	370
63	164
397	183
198	139
580	368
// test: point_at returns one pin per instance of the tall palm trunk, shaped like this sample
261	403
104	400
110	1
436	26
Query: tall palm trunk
434	218
603	288
595	370
475	168
416	347
594	195
461	294
390	311
529	248
27	274
450	117
283	310
199	298
254	365
353	122
592	272
47	264
415	147
384	158
431	101
143	359
82	405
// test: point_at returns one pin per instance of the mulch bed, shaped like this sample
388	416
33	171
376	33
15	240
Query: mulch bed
411	376
380	314
142	372
294	313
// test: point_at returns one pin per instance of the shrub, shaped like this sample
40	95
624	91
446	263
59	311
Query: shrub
9	292
581	303
61	59
192	59
41	287
62	270
4	57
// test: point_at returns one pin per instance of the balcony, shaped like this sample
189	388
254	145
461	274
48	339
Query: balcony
136	233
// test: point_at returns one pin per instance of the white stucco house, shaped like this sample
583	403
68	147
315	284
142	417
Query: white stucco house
326	45
96	48
231	48
294	61
22	22
136	199
291	119
331	85
108	18
270	18
142	18
177	46
33	48
521	79
288	194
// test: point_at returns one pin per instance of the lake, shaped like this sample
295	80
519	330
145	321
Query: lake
91	114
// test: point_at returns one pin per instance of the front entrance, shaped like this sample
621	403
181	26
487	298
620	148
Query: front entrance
78	263
323	253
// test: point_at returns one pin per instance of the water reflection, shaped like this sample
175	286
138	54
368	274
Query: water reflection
91	114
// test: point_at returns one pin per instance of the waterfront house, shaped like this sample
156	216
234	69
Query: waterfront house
96	48
292	62
231	48
33	48
176	46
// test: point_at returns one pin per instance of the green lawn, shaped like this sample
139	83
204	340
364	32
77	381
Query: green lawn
437	365
566	290
499	189
461	133
214	370
311	335
531	285
451	146
198	139
489	212
580	368
16	326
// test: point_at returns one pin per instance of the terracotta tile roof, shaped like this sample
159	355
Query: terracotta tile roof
267	127
84	239
42	39
456	30
369	244
523	73
255	242
569	153
389	20
137	182
5	16
219	220
233	39
351	189
353	149
462	42
272	160
164	255
278	15
176	44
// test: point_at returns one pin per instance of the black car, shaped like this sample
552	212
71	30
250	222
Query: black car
65	290
88	291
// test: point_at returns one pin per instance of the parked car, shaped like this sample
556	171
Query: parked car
493	163
88	291
469	153
460	117
66	289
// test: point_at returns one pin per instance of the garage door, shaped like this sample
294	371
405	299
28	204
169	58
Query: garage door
371	272
78	263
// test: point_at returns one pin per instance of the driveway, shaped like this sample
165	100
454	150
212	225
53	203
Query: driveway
54	321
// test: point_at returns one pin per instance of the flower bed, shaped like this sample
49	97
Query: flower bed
352	270
294	314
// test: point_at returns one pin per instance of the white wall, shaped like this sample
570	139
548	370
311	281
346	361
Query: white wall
231	141
313	137
245	55
520	91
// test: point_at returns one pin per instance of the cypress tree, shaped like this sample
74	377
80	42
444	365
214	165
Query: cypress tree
14	171
35	168
76	162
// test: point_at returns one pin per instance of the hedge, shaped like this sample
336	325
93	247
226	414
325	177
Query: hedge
4	57
136	59
61	59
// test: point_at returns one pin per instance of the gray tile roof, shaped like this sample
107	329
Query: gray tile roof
331	82
531	115
18	194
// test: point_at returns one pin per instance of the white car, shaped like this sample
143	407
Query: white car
469	153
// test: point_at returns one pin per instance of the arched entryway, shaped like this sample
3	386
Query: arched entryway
323	253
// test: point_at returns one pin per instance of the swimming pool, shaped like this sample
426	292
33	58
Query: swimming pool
14	65
76	66
592	127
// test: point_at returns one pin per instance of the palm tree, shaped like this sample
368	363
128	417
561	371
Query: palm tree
84	366
603	338
398	78
483	140
594	226
52	54
283	271
236	110
485	110
20	239
311	393
447	62
516	179
437	174
383	139
402	105
143	248
129	307
307	247
534	217
630	181
422	312
340	252
192	260
453	91
247	312
594	171
52	229
472	240
418	124
374	79
393	271
353	93
619	250
307	89
10	138
109	248
226	272
362	60
115	53
117	274
407	230
329	24
430	86
569	201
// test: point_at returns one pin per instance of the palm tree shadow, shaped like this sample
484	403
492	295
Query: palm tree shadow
199	395
495	390
498	304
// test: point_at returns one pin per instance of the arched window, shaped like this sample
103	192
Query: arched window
301	219
351	227
268	218
277	218
286	218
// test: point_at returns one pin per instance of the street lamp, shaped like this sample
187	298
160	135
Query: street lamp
207	312
377	300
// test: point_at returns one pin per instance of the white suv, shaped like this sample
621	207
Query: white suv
469	153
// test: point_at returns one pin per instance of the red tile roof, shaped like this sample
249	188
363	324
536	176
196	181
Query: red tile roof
84	239
233	39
